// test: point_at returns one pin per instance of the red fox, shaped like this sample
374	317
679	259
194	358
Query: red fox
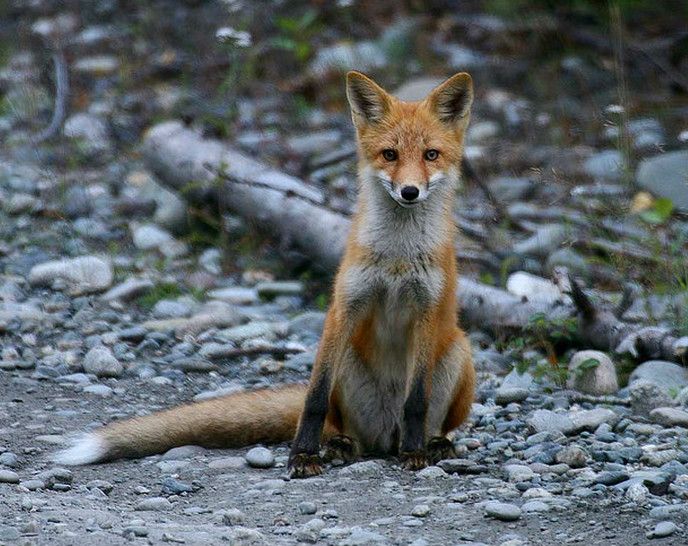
393	373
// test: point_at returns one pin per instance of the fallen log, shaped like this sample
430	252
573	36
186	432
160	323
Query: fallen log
204	170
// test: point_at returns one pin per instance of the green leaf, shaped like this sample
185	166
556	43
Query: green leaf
588	364
660	211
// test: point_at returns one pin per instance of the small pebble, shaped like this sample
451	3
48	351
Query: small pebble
502	511
663	529
260	457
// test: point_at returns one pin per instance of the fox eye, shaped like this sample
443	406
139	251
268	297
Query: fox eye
431	155
389	154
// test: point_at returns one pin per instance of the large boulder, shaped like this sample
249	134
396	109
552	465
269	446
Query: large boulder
666	176
592	372
668	376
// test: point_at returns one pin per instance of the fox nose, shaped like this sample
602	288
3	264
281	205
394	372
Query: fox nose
409	193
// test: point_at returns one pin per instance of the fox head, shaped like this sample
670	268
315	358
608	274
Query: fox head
411	149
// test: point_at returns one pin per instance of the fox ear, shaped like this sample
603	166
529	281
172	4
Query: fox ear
451	101
368	101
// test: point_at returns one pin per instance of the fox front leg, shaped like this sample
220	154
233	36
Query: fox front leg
412	449
304	458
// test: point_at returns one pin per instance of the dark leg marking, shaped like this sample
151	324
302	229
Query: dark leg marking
304	459
413	454
439	448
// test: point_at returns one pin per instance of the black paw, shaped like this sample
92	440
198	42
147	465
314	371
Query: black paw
439	448
303	465
340	447
414	460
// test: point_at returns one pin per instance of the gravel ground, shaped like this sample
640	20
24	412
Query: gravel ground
197	496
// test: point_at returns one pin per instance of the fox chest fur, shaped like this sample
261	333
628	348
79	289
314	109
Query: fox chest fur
386	296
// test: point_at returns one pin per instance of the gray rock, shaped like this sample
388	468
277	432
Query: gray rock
365	56
77	202
527	285
82	275
545	240
152	237
9	459
671	510
227	463
663	529
363	537
20	203
660	458
153	504
548	421
238	295
99	390
431	473
535	506
570	259
645	396
101	362
251	330
667	375
591	419
183	452
598	380
605	165
128	290
502	511
8	476
211	260
666	175
9	534
310	531
637	492
420	511
314	142
97	65
670	417
574	456
307	508
260	457
505	396
518	473
518	380
33	485
361	468
233	516
508	188
171	309
242	536
91	131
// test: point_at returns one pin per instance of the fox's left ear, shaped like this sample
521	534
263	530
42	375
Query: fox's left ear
451	101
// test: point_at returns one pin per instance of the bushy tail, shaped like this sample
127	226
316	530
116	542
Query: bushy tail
263	416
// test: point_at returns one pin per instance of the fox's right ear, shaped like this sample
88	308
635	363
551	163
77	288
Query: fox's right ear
368	101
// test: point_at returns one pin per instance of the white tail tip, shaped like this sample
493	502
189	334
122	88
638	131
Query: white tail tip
87	449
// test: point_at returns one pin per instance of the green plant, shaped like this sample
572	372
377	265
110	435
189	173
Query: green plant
588	364
660	211
296	34
162	291
544	334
